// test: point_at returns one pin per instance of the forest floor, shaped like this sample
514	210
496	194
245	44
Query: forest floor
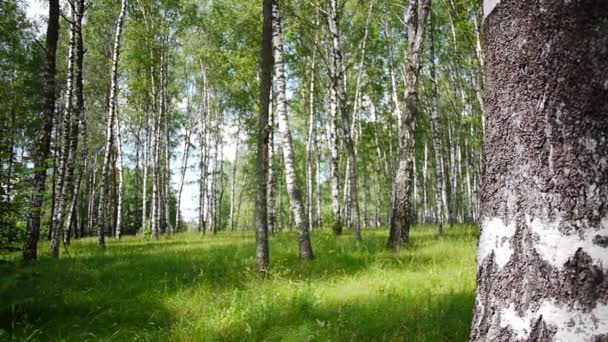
188	288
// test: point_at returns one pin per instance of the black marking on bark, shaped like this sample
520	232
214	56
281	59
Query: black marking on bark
601	241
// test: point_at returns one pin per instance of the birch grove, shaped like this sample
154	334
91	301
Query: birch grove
373	120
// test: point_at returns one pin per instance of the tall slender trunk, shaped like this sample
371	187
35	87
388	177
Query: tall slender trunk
261	206
318	221
182	174
281	222
155	162
396	112
102	227
202	126
334	162
238	205
440	194
11	148
338	84
121	180
293	189
79	121
272	205
332	126
92	194
402	203
136	174
66	155
213	193
167	154
146	153
218	188
43	141
424	215
234	174
309	142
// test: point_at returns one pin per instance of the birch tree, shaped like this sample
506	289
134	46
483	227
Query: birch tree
43	140
103	227
79	122
542	258
440	194
261	206
66	154
339	89
402	184
293	189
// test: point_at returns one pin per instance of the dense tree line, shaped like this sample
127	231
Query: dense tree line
145	93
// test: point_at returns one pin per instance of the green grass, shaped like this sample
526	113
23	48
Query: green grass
192	288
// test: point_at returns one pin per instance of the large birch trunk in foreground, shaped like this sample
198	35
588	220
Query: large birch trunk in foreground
293	188
543	249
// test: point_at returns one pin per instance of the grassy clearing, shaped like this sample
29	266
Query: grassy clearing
188	288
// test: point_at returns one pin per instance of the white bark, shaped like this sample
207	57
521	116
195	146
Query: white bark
109	145
293	189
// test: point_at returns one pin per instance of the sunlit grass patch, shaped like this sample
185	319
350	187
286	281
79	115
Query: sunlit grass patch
187	287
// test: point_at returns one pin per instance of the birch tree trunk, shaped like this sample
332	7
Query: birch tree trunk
202	224
317	150
234	174
261	206
103	226
146	153
542	256
42	143
293	189
167	155
238	205
309	142
402	186
332	127
183	170
338	83
440	194
121	180
65	152
272	205
155	162
80	119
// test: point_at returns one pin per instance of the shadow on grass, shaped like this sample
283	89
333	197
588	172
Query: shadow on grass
119	293
380	317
